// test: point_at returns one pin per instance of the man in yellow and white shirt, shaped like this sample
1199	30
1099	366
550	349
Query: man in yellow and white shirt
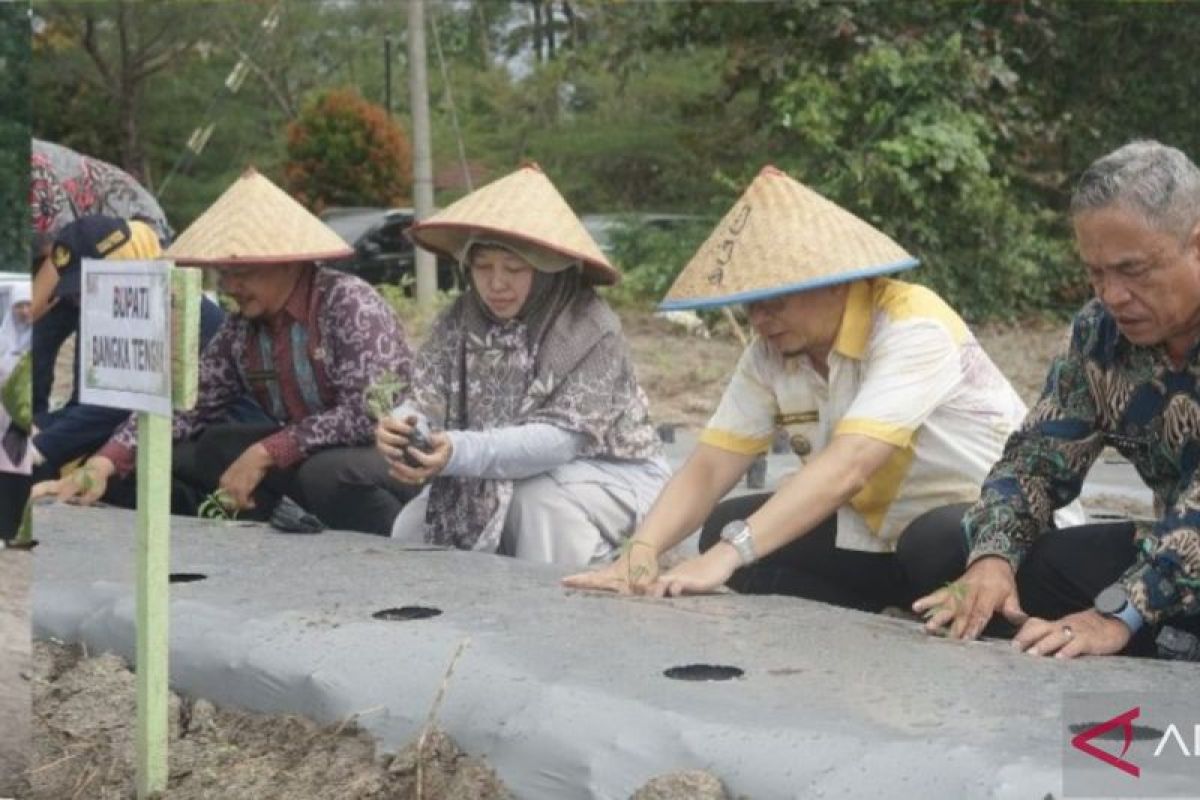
885	394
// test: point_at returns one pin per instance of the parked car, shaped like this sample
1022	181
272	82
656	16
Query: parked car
605	227
382	253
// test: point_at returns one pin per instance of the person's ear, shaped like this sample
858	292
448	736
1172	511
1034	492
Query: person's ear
1192	245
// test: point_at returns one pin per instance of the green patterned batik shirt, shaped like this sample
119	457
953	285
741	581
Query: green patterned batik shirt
1106	391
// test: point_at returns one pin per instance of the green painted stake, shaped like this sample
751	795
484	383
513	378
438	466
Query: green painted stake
154	537
186	287
153	545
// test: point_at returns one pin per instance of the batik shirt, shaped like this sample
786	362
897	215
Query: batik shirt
1106	390
309	367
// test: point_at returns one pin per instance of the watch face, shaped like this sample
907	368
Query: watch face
1112	600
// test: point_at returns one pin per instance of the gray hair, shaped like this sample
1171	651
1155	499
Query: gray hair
1158	182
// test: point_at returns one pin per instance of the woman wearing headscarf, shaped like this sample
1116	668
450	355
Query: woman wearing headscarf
543	447
15	332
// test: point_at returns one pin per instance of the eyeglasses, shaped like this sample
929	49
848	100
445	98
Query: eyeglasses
770	306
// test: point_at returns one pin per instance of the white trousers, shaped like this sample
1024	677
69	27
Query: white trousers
574	515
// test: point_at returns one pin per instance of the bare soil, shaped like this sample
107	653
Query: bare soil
15	670
84	747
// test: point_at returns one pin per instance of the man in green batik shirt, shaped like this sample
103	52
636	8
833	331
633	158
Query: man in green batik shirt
1130	379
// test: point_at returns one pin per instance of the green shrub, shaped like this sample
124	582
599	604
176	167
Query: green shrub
416	320
651	256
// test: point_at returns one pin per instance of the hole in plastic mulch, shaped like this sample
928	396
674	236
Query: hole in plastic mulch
703	672
404	613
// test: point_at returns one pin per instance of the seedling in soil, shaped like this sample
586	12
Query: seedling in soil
218	505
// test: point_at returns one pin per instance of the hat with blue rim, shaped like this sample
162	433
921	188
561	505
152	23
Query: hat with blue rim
782	237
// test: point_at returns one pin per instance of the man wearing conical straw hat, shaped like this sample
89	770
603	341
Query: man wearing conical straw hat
307	342
542	445
885	395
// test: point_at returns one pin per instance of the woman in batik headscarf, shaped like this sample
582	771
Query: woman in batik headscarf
542	445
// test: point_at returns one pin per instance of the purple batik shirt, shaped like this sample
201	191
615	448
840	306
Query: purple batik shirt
353	340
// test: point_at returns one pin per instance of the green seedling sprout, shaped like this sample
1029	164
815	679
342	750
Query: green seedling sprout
84	478
638	572
381	395
218	505
957	591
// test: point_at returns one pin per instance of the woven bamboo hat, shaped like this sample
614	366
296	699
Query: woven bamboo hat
256	222
782	237
525	209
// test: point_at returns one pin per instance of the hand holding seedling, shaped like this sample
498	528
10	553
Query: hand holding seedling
392	437
244	475
966	605
415	453
84	486
633	572
217	505
416	466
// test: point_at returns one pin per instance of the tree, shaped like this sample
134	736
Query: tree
343	150
14	136
125	45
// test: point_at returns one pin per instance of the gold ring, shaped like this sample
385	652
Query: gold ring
1070	634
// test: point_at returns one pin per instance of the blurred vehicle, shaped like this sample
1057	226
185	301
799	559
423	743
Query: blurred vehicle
606	229
382	253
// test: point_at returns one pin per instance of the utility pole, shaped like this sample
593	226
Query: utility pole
387	74
418	85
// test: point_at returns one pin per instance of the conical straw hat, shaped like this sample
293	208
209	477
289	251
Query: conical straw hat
523	206
256	222
782	237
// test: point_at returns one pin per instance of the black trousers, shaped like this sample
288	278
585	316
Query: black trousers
348	488
14	492
930	552
1061	574
1065	569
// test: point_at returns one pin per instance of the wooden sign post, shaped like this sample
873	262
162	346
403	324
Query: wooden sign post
138	333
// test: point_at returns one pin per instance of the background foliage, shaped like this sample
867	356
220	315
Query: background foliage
957	128
14	137
342	150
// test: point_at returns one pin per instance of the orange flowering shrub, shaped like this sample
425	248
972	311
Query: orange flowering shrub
345	151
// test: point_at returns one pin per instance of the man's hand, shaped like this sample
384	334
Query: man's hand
1085	633
634	571
702	574
432	463
968	604
83	487
243	476
392	437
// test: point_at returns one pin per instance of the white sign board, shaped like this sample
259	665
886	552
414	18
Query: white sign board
125	335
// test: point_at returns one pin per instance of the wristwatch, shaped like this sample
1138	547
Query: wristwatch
737	533
1113	602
